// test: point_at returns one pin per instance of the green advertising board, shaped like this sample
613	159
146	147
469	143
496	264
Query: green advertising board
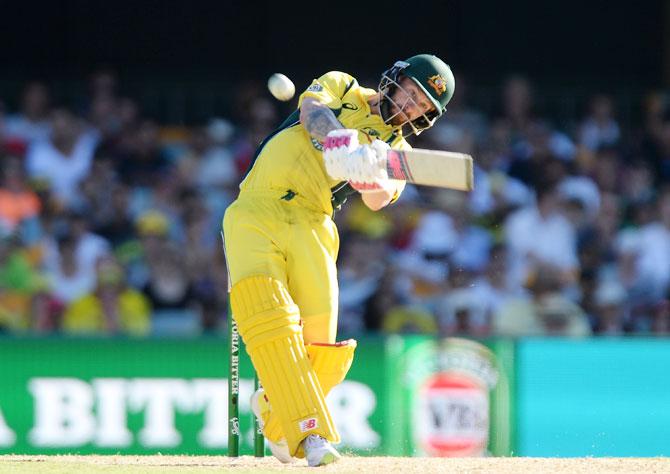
452	397
129	396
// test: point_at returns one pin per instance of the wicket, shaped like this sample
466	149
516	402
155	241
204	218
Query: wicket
234	343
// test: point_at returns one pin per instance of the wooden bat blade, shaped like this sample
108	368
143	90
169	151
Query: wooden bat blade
443	169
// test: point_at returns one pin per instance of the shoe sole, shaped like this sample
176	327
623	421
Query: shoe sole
328	458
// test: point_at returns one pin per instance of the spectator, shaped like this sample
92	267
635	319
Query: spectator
361	269
547	313
20	282
541	234
470	243
64	160
112	220
172	295
599	128
99	189
143	163
644	251
494	288
88	249
68	277
606	170
17	201
112	308
462	311
610	310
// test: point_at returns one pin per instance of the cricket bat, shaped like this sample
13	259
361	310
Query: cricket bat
443	169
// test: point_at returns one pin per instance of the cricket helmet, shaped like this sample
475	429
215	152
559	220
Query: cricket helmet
432	75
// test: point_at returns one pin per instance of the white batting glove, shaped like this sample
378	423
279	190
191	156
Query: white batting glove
372	176
338	147
364	166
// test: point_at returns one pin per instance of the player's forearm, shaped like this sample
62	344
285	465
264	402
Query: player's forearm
318	119
379	199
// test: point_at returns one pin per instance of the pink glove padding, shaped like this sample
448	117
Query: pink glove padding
363	187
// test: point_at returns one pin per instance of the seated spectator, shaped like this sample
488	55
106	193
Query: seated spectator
361	268
111	308
69	278
17	201
172	294
463	312
64	160
19	284
152	229
494	288
421	272
496	193
216	166
115	223
643	251
89	248
599	128
99	188
539	235
471	243
546	313
606	170
143	163
610	313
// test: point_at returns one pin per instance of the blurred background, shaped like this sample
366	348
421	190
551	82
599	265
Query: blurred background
125	129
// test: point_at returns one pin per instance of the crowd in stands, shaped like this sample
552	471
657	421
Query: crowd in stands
110	221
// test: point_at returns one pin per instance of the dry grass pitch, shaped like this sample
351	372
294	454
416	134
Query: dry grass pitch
349	464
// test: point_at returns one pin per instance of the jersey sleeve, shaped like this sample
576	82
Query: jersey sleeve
329	89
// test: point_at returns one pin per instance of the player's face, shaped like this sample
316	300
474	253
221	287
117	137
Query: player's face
409	102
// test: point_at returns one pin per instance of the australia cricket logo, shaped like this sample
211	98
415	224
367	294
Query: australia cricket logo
438	83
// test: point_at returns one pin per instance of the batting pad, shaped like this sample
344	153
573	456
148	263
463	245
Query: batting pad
269	323
331	362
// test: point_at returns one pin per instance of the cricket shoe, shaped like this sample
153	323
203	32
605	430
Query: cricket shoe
260	405
319	451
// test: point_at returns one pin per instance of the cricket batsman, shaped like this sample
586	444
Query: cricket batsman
281	242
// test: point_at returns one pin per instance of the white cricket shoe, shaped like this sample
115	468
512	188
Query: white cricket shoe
279	449
319	451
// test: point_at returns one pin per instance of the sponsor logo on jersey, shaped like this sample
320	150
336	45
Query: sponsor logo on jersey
315	88
438	84
348	106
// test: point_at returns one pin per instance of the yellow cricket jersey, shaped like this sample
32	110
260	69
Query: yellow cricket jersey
291	161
